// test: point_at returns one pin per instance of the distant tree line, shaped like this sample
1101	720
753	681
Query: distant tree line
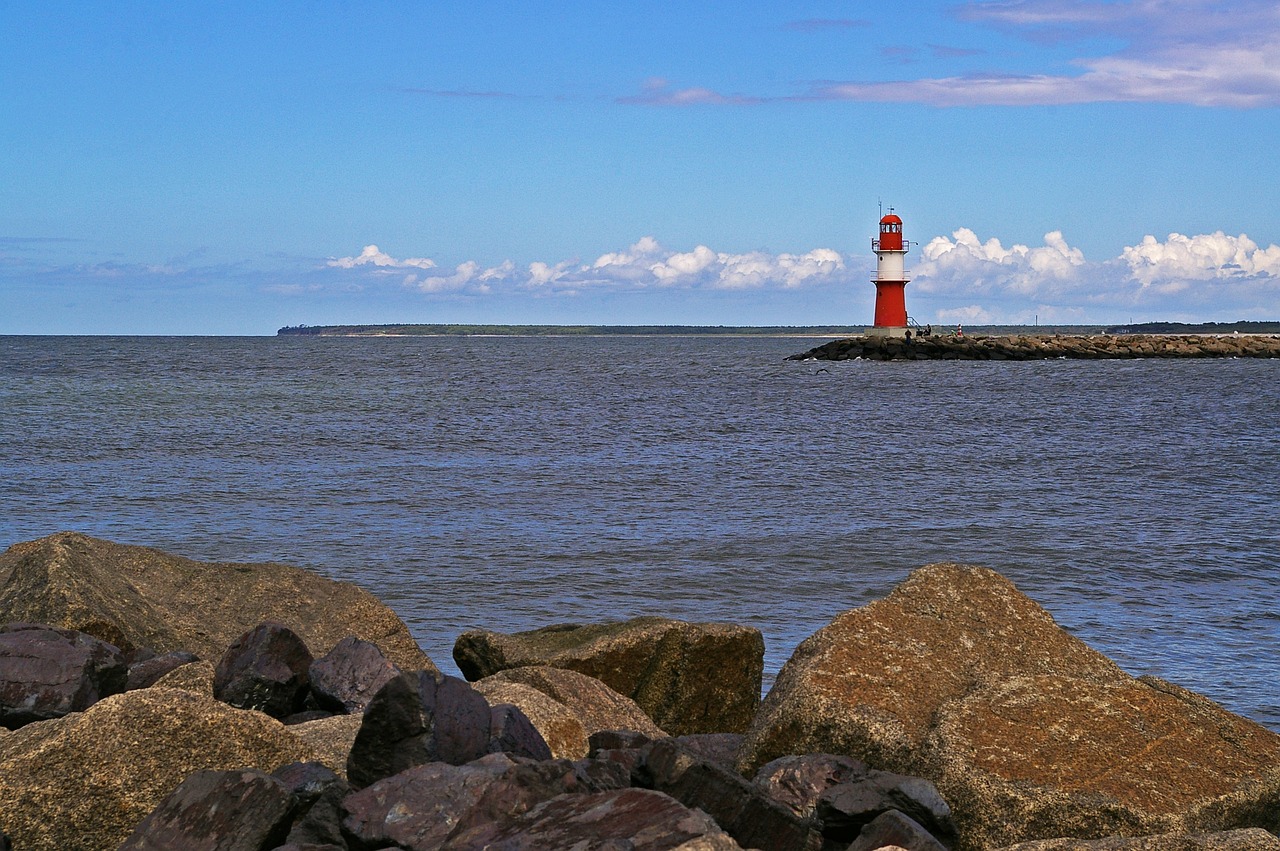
1197	328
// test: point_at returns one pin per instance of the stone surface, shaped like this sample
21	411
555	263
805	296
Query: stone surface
415	719
596	705
560	729
195	677
242	810
1042	346
1249	839
329	740
743	809
347	677
425	806
47	672
319	793
1027	732
86	780
145	673
720	748
141	597
265	669
848	807
687	677
631	819
511	731
797	782
897	830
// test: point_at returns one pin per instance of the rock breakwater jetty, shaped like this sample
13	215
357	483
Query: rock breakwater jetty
1047	347
952	715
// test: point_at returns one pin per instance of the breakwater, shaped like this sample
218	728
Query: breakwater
1046	347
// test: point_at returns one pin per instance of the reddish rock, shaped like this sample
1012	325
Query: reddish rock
687	677
511	731
1027	732
146	672
347	677
798	782
217	811
47	672
265	669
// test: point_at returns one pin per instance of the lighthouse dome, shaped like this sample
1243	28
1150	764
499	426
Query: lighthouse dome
890	219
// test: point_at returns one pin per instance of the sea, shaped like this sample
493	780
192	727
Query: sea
509	483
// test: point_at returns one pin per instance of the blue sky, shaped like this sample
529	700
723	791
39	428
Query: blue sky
184	168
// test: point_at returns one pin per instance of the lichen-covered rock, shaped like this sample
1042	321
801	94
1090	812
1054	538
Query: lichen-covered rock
86	780
47	672
687	677
1248	839
329	739
145	673
194	677
560	728
594	704
1027	732
135	596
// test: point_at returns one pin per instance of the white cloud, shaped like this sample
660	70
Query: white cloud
1181	276
373	256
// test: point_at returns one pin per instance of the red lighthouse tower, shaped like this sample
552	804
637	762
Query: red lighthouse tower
891	278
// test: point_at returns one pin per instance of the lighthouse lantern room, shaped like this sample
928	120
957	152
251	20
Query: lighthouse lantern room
891	278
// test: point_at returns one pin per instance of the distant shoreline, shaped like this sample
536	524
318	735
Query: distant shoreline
466	330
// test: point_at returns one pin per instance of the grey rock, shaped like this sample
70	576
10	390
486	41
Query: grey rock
347	677
265	669
798	781
511	731
145	672
895	829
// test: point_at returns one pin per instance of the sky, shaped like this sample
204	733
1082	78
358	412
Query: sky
231	168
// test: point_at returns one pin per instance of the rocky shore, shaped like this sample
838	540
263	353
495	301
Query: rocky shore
952	714
1038	347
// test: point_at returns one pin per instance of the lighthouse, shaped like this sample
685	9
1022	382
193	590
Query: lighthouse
891	278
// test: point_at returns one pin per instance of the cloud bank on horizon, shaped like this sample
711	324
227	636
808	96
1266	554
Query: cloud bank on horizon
1197	52
966	279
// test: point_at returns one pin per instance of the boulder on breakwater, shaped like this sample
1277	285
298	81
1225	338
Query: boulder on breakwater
136	597
1045	347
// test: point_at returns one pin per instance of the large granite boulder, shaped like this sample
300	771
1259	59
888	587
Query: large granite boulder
86	780
687	677
140	597
46	672
1027	732
595	705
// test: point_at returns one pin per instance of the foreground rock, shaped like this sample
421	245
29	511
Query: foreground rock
1042	347
1251	839
1026	731
140	597
46	672
85	781
687	677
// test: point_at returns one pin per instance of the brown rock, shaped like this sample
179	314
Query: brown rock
688	677
329	740
86	780
560	728
596	705
1027	732
194	677
140	597
1250	839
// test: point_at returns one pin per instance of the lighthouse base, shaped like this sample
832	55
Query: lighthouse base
886	331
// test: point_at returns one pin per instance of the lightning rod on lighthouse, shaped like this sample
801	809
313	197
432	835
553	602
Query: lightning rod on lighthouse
891	278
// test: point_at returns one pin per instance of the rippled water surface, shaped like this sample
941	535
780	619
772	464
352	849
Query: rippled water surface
512	483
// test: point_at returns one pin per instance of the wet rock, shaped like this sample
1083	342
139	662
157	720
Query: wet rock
265	669
425	806
347	677
560	729
896	829
218	811
1025	731
634	819
511	731
743	809
86	780
797	782
687	677
140	597
596	705
47	672
145	673
418	718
